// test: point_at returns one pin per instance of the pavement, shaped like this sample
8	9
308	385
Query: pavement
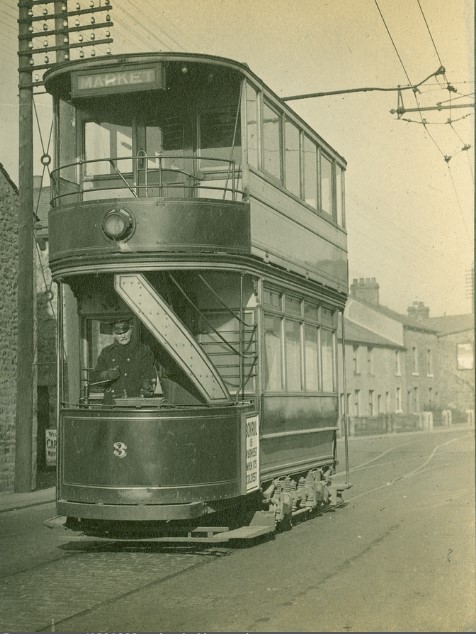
10	501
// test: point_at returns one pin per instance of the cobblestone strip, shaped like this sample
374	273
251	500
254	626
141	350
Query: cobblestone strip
34	599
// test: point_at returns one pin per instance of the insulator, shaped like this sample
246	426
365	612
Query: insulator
47	59
37	78
108	33
78	6
30	44
65	39
93	20
32	61
66	56
65	23
64	7
91	4
108	17
80	37
93	37
108	2
30	12
77	22
30	29
45	11
45	26
45	43
108	51
93	53
81	53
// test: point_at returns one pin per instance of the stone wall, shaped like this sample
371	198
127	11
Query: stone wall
8	326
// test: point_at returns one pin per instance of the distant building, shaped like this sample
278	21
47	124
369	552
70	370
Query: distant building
405	363
456	359
45	322
8	326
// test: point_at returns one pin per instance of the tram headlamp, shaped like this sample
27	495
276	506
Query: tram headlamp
118	224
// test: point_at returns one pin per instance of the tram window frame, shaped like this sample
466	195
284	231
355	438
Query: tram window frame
253	150
324	320
237	153
325	159
289	166
89	175
310	177
339	195
265	149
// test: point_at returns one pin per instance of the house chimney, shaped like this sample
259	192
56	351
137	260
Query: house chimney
418	311
365	289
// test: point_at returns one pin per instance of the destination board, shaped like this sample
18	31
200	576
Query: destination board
97	82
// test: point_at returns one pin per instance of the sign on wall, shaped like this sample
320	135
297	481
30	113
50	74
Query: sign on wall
50	447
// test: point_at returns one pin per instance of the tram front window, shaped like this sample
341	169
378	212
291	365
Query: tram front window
104	141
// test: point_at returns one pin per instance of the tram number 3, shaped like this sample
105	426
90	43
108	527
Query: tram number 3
120	449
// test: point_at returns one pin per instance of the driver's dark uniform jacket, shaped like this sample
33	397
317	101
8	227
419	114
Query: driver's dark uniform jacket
135	362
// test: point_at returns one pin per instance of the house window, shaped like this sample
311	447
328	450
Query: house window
464	356
371	403
429	363
415	399
370	360
414	360
355	359
398	367
357	402
387	402
398	399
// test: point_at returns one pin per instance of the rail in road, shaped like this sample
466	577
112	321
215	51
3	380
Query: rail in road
61	582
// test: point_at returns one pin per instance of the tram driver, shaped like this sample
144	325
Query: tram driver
126	367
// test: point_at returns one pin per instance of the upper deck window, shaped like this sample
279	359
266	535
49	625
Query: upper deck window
103	141
326	185
252	125
340	196
292	162
220	136
310	172
67	139
271	141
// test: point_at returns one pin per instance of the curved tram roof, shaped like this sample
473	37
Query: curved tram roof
54	78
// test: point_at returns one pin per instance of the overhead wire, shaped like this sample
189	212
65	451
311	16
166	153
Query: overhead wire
423	121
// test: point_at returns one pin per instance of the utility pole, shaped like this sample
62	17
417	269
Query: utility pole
25	476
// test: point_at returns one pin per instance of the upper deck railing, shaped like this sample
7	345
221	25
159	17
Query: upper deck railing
146	176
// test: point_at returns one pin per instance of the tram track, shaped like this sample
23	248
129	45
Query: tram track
110	561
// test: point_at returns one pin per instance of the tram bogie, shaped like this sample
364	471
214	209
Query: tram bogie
193	205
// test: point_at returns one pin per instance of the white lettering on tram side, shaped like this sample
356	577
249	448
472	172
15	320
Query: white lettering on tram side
252	453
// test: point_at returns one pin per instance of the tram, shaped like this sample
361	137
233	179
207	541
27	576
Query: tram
189	198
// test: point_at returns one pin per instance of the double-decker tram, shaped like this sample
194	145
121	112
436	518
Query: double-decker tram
194	205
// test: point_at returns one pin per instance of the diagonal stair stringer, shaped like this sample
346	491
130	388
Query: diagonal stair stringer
148	305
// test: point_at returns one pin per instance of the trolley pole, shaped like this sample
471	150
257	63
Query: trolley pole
24	476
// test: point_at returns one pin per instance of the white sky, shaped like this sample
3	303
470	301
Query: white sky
409	212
